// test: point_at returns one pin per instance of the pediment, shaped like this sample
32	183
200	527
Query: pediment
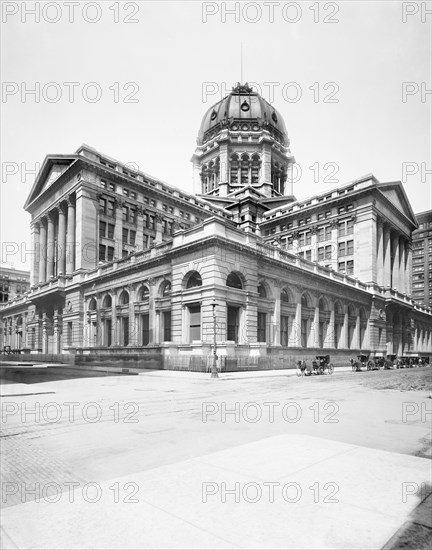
52	168
395	193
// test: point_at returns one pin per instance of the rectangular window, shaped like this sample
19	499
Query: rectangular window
232	323
103	205
132	215
341	249
328	233
145	329
261	328
102	228
167	326
321	234
321	216
341	229
194	323
125	236
110	231
101	253
284	330
320	253
350	227
111	208
132	235
350	248
69	333
308	237
341	267
125	213
309	255
328	252
110	253
304	332
350	267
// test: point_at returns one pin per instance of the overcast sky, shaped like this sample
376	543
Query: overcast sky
334	70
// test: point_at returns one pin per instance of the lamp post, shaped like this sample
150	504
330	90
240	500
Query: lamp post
214	372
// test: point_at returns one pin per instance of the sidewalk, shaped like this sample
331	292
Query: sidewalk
326	495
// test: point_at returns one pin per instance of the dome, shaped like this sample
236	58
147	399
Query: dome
242	105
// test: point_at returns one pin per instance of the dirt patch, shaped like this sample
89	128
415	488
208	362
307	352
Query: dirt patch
398	379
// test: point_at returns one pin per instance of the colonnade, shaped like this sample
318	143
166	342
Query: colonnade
54	242
394	259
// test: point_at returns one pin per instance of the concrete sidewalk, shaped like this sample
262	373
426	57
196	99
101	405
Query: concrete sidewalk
288	491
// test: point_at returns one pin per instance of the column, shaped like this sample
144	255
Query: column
35	235
42	252
345	331
408	270
395	266
276	319
315	335
61	242
387	257
152	312
295	337
357	332
114	327
70	239
50	246
380	253
44	334
132	326
402	262
158	221
330	335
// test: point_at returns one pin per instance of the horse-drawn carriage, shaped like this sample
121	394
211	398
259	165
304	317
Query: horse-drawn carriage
320	365
364	361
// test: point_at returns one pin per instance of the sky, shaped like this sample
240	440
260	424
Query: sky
134	79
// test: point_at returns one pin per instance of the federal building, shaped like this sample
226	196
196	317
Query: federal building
125	265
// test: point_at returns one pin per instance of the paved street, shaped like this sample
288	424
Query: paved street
96	430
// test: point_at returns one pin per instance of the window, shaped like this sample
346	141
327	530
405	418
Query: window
234	281
194	280
328	252
262	291
320	253
284	331
110	231
232	323
328	213
167	326
145	329
309	255
194	323
341	209
106	253
261	328
321	216
132	235
321	234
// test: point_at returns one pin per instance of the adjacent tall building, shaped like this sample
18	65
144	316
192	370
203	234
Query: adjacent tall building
126	264
422	259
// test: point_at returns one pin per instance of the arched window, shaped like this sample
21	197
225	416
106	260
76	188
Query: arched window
284	296
338	308
322	304
166	288
107	301
144	294
262	293
124	298
304	300
234	168
92	305
234	281
194	280
351	311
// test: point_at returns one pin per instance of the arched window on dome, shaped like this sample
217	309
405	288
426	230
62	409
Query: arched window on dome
245	169
234	169
255	169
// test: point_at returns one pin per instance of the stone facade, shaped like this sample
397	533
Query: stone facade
126	265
